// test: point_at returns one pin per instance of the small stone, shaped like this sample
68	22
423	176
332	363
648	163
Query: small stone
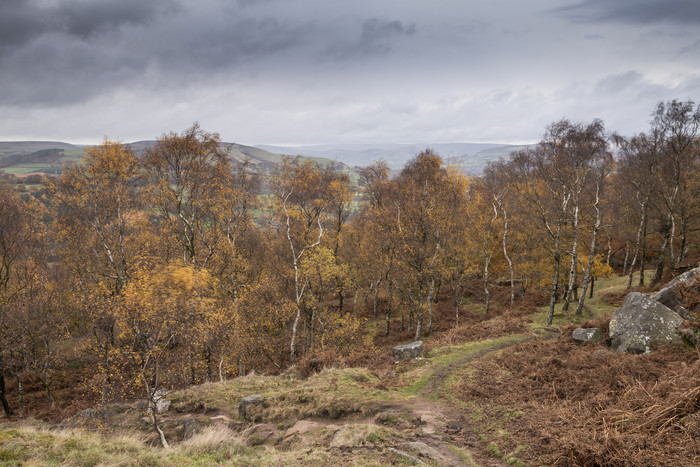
412	350
249	401
583	335
301	427
190	427
162	404
689	337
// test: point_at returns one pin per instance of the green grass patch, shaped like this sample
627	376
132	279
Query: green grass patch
331	393
594	307
463	455
418	378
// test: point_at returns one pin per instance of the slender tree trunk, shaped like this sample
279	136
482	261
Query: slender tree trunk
507	257
631	274
555	279
431	291
419	320
627	256
312	331
590	295
591	253
643	249
354	303
486	283
574	258
292	345
20	394
684	239
3	399
636	251
553	299
607	259
389	307
671	240
376	301
662	259
156	427
49	395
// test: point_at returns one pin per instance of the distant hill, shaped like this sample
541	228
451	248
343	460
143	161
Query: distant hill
472	156
23	157
475	163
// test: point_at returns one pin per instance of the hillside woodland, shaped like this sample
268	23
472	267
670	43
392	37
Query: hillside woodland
132	276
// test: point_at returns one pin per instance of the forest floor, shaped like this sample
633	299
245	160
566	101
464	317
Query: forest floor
502	389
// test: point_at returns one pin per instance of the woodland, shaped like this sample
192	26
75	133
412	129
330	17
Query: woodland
134	273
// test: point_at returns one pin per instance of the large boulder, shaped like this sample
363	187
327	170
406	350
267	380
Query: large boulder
642	324
412	350
669	295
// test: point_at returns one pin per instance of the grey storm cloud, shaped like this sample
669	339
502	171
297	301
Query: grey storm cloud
633	11
66	52
375	39
329	70
24	20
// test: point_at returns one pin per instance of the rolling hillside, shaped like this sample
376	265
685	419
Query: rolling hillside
25	157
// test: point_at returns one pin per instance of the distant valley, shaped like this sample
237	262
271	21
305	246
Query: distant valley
48	157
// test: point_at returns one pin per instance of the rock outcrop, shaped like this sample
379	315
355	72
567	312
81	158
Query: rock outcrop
412	350
642	324
669	295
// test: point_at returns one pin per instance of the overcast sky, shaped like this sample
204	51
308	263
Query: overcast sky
332	71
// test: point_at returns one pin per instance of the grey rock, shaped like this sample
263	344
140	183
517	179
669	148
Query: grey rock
593	335
689	337
87	413
162	404
249	401
412	350
642	324
685	314
669	295
407	457
190	427
425	451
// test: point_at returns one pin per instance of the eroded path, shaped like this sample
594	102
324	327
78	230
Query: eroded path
445	435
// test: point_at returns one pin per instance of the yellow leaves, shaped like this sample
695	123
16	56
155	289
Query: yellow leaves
338	330
170	290
319	266
600	268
